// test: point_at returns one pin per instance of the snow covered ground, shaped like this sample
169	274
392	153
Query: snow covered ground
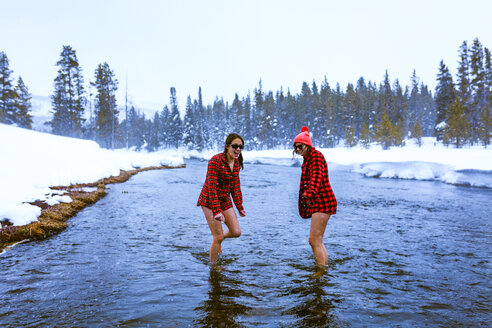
471	166
31	162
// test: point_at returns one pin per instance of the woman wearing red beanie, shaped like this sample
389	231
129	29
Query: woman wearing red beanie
221	182
316	198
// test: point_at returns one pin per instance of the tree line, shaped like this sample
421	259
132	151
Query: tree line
387	113
15	100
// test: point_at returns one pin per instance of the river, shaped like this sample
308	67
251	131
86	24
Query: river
401	253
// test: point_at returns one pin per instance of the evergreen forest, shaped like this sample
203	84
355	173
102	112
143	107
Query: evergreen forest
456	113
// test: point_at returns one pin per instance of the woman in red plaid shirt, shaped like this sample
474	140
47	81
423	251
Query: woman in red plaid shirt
316	198
221	182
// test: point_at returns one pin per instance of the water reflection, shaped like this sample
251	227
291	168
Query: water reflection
221	308
316	306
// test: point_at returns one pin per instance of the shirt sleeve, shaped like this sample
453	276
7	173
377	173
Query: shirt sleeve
212	178
316	179
237	196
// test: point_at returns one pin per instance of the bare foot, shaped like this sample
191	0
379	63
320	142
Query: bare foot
320	272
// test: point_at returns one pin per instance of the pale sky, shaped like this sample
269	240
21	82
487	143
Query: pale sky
227	46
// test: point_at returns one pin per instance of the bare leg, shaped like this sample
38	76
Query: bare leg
318	226
217	234
232	223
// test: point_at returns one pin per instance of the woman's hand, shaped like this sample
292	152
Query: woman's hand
242	213
220	217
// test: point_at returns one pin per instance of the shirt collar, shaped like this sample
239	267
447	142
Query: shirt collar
224	159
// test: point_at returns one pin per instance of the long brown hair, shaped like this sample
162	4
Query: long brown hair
228	141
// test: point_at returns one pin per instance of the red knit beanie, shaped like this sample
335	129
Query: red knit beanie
304	137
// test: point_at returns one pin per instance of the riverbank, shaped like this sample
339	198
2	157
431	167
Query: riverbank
32	162
53	218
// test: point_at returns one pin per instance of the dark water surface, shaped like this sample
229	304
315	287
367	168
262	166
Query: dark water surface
401	253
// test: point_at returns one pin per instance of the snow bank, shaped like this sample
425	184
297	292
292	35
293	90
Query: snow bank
31	162
471	166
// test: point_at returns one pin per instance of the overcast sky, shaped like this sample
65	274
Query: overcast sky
227	46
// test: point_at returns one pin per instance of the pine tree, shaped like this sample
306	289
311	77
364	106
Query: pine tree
428	110
236	119
175	124
153	143
365	137
362	109
290	111
399	134
338	117
7	93
257	115
485	126
384	132
146	128
350	138
414	105
220	122
488	77
457	129
165	117
386	102
400	101
477	86
326	138
140	131
105	106
372	100
199	120
283	117
269	122
90	123
417	133
463	82
68	99
305	108
247	131
485	118
132	127
317	120
445	96
189	125
349	109
22	104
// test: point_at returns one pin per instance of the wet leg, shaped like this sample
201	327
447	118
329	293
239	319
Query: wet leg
318	226
217	234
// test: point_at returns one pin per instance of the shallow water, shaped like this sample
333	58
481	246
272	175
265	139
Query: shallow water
401	253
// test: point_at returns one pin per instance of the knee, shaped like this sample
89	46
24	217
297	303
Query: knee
219	238
235	233
315	241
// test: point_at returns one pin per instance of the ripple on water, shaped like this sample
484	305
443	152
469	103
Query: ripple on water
401	253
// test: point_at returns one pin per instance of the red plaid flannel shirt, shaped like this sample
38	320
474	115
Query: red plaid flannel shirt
315	193
219	183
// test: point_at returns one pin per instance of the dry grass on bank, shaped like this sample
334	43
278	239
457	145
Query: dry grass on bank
53	218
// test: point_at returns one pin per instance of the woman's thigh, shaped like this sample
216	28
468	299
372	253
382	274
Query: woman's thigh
214	225
318	224
231	220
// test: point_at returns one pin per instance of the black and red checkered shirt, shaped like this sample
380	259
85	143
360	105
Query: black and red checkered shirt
219	184
315	193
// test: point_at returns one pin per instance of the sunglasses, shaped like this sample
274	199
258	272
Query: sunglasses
298	146
236	146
